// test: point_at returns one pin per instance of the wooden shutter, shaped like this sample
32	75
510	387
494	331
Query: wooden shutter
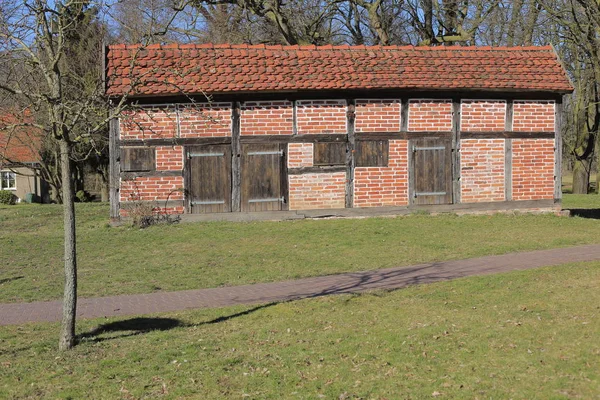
138	159
333	153
372	153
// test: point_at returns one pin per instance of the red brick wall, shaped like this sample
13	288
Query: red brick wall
430	115
384	186
156	210
152	188
531	116
267	118
205	120
300	155
482	170
317	191
169	158
377	115
532	169
149	123
483	115
321	116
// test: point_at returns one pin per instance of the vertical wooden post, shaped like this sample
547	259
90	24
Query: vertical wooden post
456	116
404	115
236	160
350	147
508	127
114	169
558	118
294	118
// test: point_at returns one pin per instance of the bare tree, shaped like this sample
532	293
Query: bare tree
39	40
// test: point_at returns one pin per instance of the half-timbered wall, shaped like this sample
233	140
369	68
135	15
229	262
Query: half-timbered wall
503	150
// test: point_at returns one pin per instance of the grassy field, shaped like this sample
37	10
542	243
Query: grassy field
127	260
521	335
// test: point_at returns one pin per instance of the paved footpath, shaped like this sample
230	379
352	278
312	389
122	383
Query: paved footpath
391	278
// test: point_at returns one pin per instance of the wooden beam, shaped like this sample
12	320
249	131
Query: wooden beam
114	169
456	136
558	123
508	126
236	159
402	135
175	141
350	147
507	135
306	138
404	108
132	175
317	170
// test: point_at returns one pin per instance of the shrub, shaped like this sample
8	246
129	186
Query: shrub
7	197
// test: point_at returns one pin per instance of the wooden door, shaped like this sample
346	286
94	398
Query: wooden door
209	179
263	178
432	171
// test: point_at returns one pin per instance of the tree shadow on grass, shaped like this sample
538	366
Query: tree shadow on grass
14	278
129	327
141	325
592	213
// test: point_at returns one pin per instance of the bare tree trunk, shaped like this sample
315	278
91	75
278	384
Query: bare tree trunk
67	334
581	176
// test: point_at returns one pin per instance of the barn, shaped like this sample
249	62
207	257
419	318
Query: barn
306	131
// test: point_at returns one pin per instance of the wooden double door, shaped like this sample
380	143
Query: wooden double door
431	164
213	174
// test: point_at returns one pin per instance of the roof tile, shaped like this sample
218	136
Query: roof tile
171	69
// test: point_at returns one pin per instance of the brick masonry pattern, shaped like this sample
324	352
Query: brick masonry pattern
532	116
152	188
169	158
533	169
384	186
321	116
300	155
317	191
149	123
267	118
483	115
482	170
374	115
430	115
205	120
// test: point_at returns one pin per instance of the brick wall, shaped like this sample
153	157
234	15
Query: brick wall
531	116
152	188
377	115
430	115
317	191
532	169
384	186
300	155
267	118
205	120
169	158
321	116
482	170
148	123
483	115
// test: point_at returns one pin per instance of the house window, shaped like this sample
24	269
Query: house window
8	180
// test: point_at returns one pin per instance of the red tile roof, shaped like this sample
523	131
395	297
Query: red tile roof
18	144
192	69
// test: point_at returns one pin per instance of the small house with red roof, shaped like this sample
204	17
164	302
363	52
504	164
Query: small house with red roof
19	161
335	130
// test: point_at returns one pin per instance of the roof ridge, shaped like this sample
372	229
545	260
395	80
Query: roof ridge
158	46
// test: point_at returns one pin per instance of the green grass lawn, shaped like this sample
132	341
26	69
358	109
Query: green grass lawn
200	255
520	335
